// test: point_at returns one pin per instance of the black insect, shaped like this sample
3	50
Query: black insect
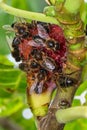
45	25
15	54
23	66
21	29
16	42
42	74
37	39
50	43
53	45
13	24
57	46
37	89
25	35
34	64
36	54
66	81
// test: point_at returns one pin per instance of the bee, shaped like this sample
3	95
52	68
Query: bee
53	44
67	80
39	79
20	28
43	30
15	45
41	68
49	64
37	54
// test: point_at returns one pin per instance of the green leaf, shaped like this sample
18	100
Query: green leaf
80	124
5	19
12	84
5	61
81	88
76	102
11	78
5	93
36	6
21	4
9	106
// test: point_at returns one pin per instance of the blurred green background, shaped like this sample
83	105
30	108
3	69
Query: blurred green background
13	100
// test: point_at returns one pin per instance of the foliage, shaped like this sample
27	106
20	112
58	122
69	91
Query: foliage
13	81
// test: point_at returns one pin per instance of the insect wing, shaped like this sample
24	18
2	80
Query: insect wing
33	86
42	32
34	44
40	86
49	65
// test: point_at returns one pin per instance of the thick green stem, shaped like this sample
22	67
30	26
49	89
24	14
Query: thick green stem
73	28
70	114
27	14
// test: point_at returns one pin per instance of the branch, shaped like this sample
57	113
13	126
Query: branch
70	114
27	14
7	124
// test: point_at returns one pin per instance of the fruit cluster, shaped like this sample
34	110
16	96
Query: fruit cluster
42	50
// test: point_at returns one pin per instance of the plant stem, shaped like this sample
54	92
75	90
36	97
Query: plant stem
27	14
70	114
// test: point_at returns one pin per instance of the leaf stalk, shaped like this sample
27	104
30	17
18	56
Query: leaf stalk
27	14
70	114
